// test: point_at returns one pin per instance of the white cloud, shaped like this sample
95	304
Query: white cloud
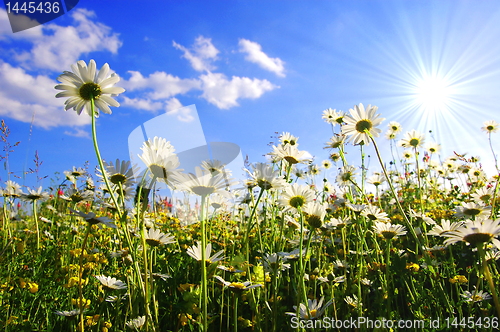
201	55
174	107
224	93
23	95
163	85
255	55
145	104
77	132
59	47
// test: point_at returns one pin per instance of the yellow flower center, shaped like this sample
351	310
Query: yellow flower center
264	184
291	159
414	142
471	212
363	125
477	298
388	234
153	242
313	312
90	91
238	285
297	201
476	238
314	221
118	178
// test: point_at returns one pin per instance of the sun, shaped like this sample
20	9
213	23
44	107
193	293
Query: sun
433	93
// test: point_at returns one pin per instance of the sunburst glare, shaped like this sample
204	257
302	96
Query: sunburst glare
433	93
440	77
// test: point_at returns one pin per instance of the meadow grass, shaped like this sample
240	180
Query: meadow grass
287	251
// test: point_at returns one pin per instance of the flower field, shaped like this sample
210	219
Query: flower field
409	244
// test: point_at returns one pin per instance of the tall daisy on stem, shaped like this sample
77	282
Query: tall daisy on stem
91	90
489	127
361	124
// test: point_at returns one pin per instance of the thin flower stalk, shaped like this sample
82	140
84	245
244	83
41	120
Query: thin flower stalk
487	275
408	223
81	323
99	159
204	281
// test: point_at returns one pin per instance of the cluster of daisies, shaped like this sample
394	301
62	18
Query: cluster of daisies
310	211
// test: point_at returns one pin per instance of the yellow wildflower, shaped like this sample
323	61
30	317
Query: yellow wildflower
413	267
33	287
458	279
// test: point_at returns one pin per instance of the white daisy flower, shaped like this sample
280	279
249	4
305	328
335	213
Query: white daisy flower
287	138
155	238
295	196
84	84
490	126
195	252
476	296
359	121
110	282
136	323
475	232
313	310
333	117
388	230
238	286
412	139
266	177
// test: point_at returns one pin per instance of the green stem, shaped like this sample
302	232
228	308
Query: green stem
489	279
35	217
250	225
204	288
81	305
493	152
99	159
393	191
147	276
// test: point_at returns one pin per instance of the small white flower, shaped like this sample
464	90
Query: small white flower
155	238
136	323
110	282
195	252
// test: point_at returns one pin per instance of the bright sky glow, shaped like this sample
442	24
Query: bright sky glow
253	69
433	94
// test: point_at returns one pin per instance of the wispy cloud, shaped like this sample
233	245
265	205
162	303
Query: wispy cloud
201	55
255	54
77	132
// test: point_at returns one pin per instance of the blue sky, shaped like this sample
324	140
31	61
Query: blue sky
253	68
